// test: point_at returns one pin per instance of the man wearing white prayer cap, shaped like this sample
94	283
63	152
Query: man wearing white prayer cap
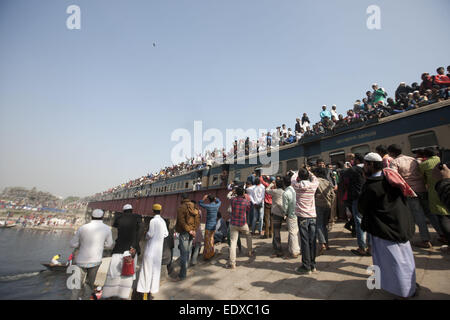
373	156
91	238
386	217
97	213
129	232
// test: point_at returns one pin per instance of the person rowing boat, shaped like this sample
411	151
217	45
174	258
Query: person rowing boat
55	260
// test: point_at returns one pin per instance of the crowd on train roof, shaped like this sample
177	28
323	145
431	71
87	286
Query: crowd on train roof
374	105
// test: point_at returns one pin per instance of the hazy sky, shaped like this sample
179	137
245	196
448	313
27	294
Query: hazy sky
85	110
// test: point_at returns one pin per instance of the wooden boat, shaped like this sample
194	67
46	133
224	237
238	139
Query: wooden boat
8	225
60	268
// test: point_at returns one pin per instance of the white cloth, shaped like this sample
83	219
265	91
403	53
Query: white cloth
257	194
293	244
305	125
117	285
92	238
334	113
151	263
218	224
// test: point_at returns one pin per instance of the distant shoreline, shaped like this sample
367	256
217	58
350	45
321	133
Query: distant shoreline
45	228
16	215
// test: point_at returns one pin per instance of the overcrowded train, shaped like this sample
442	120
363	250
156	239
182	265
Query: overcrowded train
428	126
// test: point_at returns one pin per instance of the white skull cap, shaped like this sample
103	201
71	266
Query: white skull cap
97	213
372	156
127	207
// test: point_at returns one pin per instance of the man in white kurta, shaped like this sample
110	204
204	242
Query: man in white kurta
151	263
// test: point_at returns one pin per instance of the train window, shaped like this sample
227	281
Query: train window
313	160
280	168
361	149
237	175
423	140
292	165
337	156
186	185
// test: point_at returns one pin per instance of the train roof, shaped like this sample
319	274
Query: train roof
357	133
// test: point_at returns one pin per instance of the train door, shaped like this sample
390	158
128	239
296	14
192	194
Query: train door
273	169
292	165
313	160
205	177
336	156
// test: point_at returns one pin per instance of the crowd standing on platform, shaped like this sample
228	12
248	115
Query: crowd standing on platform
380	195
384	195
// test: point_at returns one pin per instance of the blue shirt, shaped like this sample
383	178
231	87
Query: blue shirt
211	213
324	114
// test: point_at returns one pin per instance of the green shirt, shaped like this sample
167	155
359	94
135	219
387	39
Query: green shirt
289	200
378	95
426	169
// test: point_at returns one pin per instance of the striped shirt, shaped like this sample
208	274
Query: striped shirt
239	209
305	193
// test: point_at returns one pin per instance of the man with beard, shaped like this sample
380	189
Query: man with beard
386	217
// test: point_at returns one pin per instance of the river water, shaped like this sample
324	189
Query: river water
21	274
22	277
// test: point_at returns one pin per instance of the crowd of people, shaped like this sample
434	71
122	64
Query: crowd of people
48	221
381	196
376	104
31	206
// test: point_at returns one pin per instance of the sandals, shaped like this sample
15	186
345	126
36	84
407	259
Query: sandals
276	255
359	253
290	257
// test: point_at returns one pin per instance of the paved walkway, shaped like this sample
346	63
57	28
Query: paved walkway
341	275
